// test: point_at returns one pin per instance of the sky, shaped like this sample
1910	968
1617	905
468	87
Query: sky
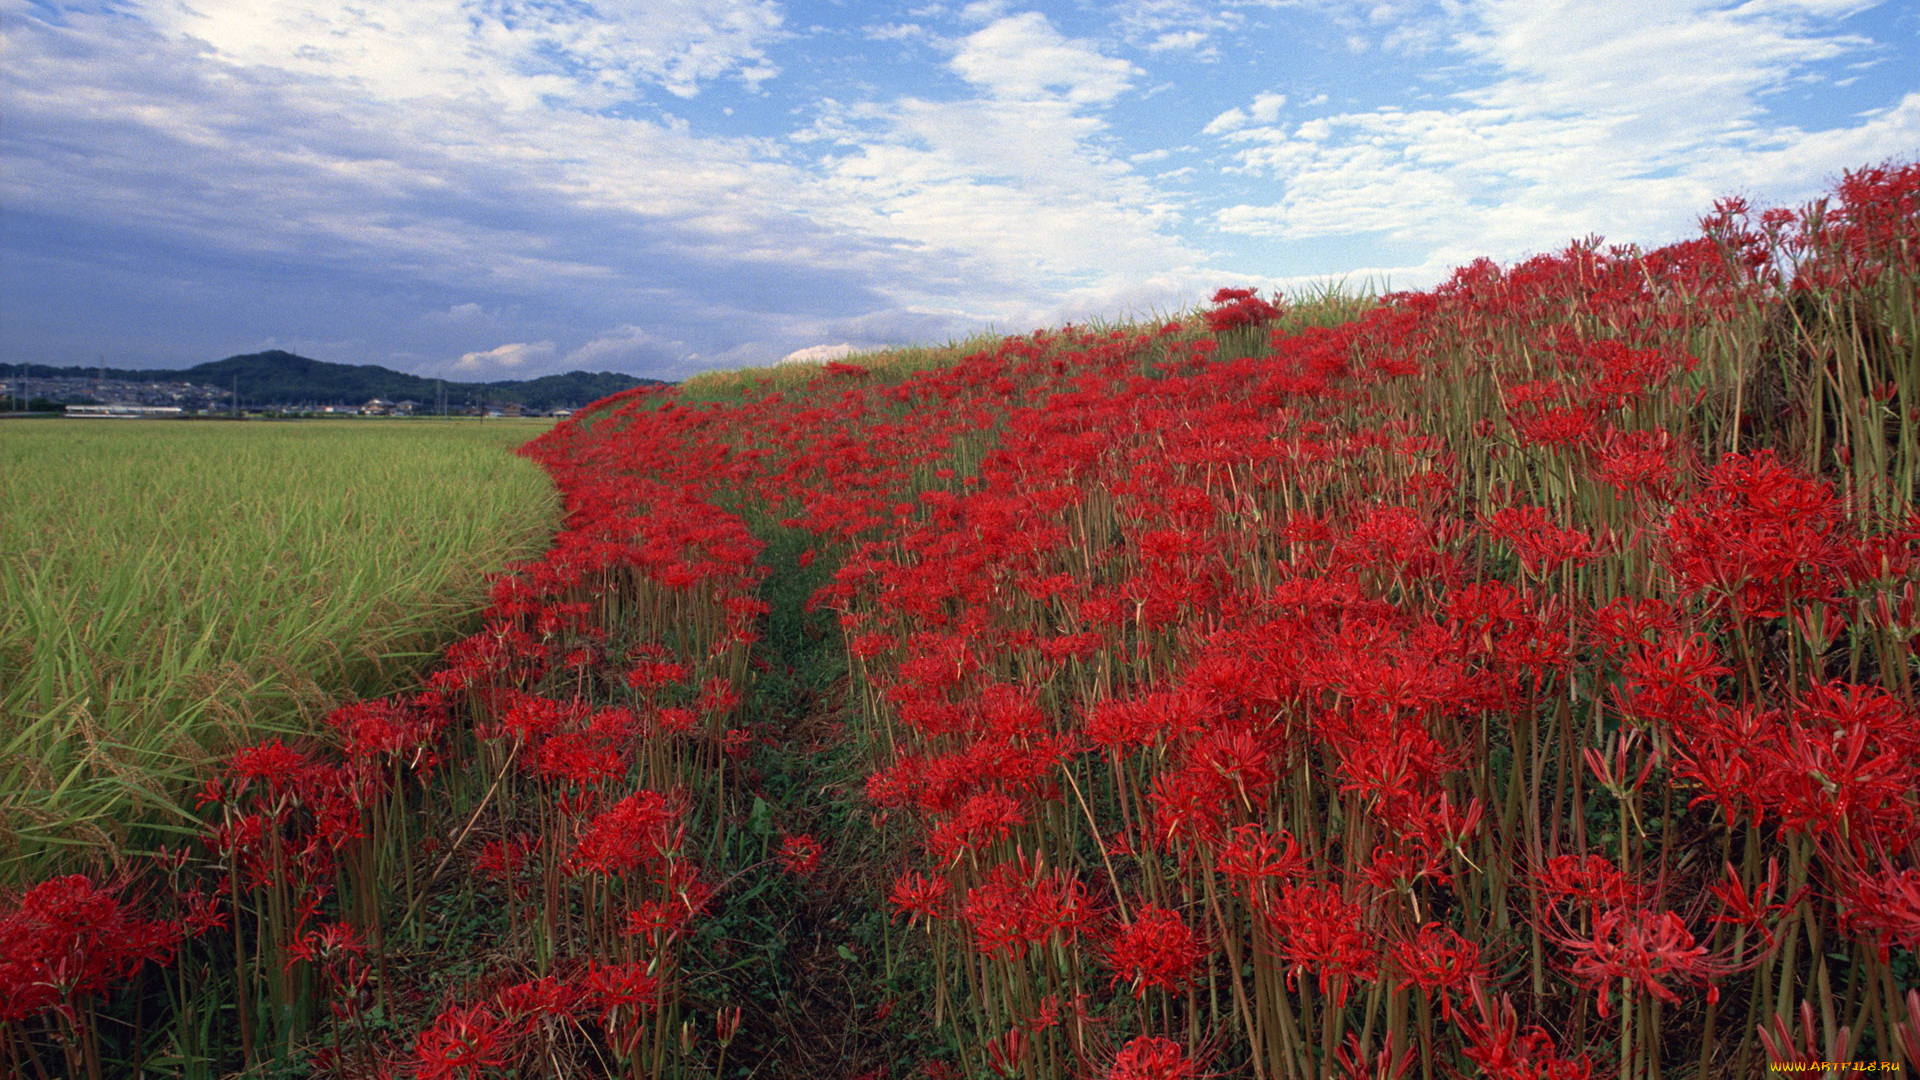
500	189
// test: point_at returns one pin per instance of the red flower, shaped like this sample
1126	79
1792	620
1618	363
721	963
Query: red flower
1259	861
800	854
67	940
1151	1057
1239	308
460	1043
916	895
1647	949
1437	958
1156	949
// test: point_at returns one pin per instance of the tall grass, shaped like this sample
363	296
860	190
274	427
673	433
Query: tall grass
169	589
1328	303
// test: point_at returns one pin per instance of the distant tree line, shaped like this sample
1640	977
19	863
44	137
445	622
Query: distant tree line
280	378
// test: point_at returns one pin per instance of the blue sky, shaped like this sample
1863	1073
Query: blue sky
484	189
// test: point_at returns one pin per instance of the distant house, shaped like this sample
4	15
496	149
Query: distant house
562	414
513	409
123	411
405	408
376	407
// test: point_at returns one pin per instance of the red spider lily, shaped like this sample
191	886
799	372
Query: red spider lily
1646	949
1386	1065
1780	1044
1437	958
1644	464
622	993
1237	308
1317	929
718	697
1397	868
461	1043
580	758
1259	862
1617	773
1157	949
639	832
1626	622
675	721
1593	881
333	941
918	896
1673	682
800	854
981	820
391	732
1761	538
530	717
1555	427
1884	908
1022	904
66	940
649	674
658	920
547	996
1495	1043
726	1024
504	860
1754	910
1006	1051
1543	546
1248	583
1242	759
1191	805
1047	1014
1151	1057
272	763
620	986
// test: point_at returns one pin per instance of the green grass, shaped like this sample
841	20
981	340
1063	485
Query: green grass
171	589
1328	303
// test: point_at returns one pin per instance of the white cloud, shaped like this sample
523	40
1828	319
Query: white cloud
519	54
898	32
624	348
1174	25
509	358
1266	107
1231	120
1023	58
979	11
512	354
1175	40
1265	110
1626	119
815	354
1015	201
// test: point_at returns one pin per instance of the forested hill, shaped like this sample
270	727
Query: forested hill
277	377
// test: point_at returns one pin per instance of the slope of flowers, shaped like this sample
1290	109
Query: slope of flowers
1517	681
1518	677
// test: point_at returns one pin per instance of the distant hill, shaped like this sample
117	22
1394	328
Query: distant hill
279	378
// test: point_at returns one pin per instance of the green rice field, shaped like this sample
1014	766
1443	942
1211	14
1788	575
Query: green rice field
170	589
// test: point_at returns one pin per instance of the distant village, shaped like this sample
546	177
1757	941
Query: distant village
84	397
